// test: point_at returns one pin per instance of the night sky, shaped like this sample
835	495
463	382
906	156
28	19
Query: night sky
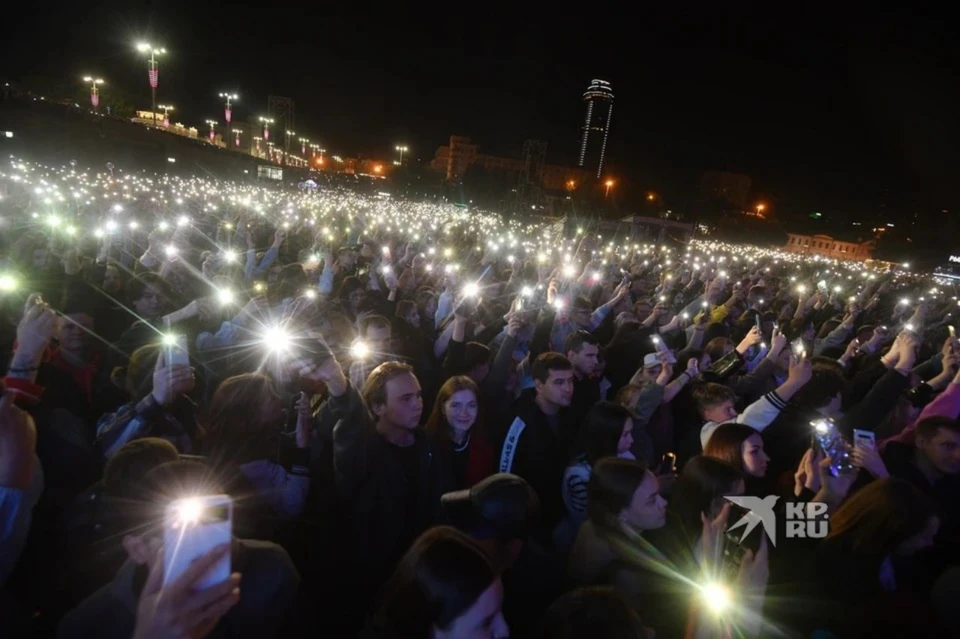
847	115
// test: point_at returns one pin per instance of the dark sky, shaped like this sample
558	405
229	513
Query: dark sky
844	114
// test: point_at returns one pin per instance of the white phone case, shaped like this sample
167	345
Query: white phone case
184	542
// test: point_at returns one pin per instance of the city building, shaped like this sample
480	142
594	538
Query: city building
159	120
827	246
596	125
453	160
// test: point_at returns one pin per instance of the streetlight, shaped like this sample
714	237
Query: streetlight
609	184
321	151
166	109
94	90
402	148
256	141
571	185
303	145
227	114
237	132
213	126
152	71
266	127
651	197
760	208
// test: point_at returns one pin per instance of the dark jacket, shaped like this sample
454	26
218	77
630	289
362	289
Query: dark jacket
267	592
381	518
532	449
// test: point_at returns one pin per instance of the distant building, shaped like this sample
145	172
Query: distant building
826	246
150	118
596	125
453	160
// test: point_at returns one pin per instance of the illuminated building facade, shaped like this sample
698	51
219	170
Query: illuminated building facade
454	159
596	125
826	246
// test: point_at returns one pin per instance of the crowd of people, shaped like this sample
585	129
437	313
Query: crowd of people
440	423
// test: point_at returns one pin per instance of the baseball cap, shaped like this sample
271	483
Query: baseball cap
501	506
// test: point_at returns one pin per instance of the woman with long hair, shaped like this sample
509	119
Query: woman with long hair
454	424
742	447
698	492
445	587
245	424
608	432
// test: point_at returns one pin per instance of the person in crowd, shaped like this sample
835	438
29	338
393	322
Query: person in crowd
537	442
244	424
375	336
582	349
158	405
21	480
863	573
456	429
445	587
742	447
608	433
500	513
252	602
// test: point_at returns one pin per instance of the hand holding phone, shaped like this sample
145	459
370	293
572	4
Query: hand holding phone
192	528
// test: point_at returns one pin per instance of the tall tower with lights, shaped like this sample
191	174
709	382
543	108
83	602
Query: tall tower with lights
596	125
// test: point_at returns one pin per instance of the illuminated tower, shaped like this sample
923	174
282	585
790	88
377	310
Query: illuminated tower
596	125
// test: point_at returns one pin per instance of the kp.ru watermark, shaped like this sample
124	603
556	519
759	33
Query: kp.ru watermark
804	520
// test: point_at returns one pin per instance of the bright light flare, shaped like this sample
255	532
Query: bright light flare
471	290
276	339
359	350
225	296
8	283
717	597
189	511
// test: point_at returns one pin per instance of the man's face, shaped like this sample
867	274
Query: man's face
378	339
647	509
585	362
720	413
75	332
273	276
942	451
404	402
348	259
558	389
642	311
150	303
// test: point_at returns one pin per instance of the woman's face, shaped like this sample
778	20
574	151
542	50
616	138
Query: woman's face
923	539
647	510
150	303
356	298
626	437
754	458
483	620
461	410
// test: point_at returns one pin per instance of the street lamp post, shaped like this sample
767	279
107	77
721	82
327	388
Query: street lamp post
94	90
266	126
153	72
303	146
321	151
402	148
237	133
166	117
760	208
256	140
227	113
213	126
609	184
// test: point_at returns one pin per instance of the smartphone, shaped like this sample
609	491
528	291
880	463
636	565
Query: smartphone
834	446
953	331
193	527
799	349
178	353
758	321
518	303
668	465
864	439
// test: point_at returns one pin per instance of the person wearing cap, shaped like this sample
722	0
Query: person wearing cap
499	513
538	438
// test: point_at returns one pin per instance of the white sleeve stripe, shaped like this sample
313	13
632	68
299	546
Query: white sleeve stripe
510	445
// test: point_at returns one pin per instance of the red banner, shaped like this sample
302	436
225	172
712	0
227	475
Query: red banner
154	77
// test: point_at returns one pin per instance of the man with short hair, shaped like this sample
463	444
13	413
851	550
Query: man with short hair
583	351
389	479
932	464
538	439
